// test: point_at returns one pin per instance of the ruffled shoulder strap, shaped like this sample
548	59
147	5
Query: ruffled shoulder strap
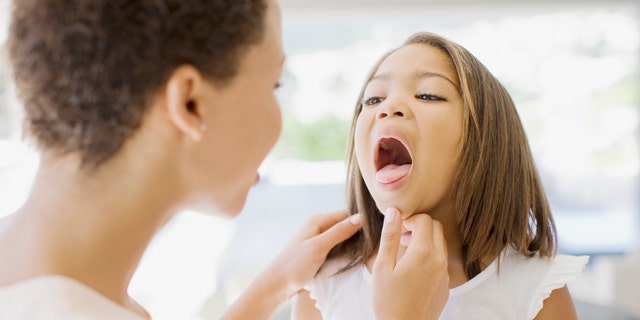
562	270
318	288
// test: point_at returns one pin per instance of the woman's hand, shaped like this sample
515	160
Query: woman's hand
415	286
301	259
295	266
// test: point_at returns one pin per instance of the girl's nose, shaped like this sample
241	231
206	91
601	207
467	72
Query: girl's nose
391	110
384	114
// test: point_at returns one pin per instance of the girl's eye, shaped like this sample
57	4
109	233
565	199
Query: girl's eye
429	97
278	85
372	101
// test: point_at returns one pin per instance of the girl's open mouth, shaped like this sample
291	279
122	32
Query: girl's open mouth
392	160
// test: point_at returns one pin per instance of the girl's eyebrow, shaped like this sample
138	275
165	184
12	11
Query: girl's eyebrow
418	75
381	76
421	74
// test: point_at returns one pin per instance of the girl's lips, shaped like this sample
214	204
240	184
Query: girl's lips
392	158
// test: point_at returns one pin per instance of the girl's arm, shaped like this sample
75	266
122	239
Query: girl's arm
304	308
294	267
558	305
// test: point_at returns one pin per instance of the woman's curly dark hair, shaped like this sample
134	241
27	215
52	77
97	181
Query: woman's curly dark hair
86	69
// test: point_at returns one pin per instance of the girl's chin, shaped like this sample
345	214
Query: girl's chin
404	213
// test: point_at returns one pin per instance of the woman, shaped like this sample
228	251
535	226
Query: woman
142	109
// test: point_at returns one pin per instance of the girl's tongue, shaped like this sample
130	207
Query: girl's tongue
392	173
393	161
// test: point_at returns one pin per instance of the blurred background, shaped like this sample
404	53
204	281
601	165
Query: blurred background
571	66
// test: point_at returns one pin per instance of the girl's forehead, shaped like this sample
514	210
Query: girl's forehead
415	61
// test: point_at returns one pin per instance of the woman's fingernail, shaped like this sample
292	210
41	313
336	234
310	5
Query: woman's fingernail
390	215
356	219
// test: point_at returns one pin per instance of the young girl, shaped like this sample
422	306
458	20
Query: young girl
435	133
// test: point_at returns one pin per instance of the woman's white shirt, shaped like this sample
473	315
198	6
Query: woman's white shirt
57	298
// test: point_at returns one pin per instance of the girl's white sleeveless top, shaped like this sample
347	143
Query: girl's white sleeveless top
517	291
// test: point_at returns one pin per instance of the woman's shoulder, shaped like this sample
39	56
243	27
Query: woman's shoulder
58	297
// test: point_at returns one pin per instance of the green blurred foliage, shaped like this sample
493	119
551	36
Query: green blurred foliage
324	139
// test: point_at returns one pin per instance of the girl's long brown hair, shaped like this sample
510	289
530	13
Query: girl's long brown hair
497	195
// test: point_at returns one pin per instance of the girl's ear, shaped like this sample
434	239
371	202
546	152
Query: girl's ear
183	101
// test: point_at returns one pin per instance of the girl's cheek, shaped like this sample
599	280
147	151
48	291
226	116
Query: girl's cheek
359	133
360	139
364	122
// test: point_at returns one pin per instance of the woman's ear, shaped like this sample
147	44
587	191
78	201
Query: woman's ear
183	101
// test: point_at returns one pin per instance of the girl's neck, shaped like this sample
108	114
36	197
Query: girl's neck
457	275
93	228
445	215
